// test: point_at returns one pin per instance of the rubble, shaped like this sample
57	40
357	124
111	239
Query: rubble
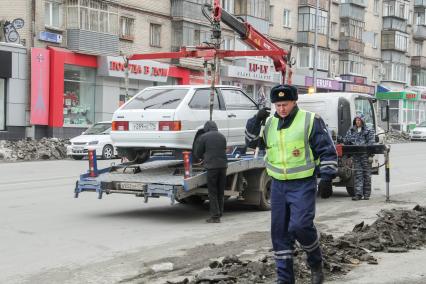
394	231
29	150
393	136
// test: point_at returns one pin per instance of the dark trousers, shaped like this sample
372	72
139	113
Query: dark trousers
216	182
293	213
362	174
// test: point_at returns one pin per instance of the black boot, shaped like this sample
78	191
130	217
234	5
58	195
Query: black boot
317	275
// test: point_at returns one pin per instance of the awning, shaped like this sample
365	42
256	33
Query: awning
382	89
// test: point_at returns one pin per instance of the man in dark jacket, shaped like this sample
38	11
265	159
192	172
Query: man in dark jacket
211	148
360	134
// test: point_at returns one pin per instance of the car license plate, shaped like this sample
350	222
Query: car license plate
132	186
78	150
144	126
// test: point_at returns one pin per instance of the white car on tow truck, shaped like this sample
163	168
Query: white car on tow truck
172	118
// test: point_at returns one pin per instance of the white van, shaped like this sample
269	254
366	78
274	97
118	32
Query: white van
338	111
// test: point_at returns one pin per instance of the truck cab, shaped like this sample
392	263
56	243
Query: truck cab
338	110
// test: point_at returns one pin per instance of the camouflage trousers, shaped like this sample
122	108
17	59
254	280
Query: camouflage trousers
362	172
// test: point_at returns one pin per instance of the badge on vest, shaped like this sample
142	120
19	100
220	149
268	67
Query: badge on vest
296	152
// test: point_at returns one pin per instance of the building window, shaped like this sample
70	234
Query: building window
376	7
286	18
398	9
92	15
306	58
79	96
333	31
127	28
155	35
352	28
271	15
228	43
2	104
307	20
352	65
418	46
255	8
396	40
53	14
376	40
395	72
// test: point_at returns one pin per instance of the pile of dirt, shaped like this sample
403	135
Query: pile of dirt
394	231
393	137
29	150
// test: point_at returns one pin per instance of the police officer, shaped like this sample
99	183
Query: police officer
360	134
298	146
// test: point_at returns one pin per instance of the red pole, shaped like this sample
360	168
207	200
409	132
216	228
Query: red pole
93	167
187	163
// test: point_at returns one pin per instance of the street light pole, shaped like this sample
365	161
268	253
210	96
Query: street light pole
314	71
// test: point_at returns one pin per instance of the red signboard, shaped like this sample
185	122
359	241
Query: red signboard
39	86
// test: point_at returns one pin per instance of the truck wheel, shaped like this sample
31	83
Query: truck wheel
192	200
135	156
107	152
265	191
75	157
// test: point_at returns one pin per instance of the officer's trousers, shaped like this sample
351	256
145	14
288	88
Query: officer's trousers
362	172
293	213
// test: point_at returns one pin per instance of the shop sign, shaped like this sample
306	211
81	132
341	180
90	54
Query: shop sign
138	69
354	79
251	70
324	83
39	86
423	96
50	37
365	89
410	96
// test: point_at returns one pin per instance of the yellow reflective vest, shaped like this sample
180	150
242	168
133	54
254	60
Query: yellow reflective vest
288	154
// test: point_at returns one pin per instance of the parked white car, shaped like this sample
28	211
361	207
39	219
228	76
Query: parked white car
172	117
418	132
96	137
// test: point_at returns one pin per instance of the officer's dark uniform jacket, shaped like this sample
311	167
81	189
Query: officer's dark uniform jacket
293	195
320	142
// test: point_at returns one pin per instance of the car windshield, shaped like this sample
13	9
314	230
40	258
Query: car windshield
423	124
157	99
98	128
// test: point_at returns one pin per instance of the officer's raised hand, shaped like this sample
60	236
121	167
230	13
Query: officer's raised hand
263	114
325	188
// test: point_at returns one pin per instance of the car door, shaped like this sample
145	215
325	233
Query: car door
239	108
200	111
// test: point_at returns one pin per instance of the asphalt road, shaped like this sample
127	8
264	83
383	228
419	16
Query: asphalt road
47	236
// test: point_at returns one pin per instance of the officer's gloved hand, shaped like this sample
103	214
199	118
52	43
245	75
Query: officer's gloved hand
325	188
263	114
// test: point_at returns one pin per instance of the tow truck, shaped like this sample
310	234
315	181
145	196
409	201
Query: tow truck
181	180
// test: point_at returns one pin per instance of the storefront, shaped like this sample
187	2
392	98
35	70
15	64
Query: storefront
323	85
13	91
256	77
84	89
357	84
404	111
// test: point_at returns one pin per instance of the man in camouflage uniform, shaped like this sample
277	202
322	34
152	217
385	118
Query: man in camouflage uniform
360	134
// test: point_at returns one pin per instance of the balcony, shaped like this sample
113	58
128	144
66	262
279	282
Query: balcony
351	44
323	4
92	42
187	9
353	12
420	3
259	24
419	32
308	38
394	24
362	3
418	62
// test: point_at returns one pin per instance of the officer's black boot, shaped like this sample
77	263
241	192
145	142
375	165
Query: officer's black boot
317	275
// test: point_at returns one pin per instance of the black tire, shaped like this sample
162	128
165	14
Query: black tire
192	200
107	152
265	191
75	157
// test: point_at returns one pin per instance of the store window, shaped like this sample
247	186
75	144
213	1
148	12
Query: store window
79	96
2	104
53	13
155	35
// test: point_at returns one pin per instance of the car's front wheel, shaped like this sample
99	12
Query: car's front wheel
76	157
107	152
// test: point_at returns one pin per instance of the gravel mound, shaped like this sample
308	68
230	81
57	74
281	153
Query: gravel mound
31	150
